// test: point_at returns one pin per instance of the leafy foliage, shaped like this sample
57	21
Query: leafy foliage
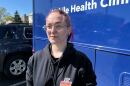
4	16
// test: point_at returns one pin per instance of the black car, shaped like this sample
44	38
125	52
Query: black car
15	48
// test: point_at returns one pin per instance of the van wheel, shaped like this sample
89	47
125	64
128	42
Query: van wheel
15	66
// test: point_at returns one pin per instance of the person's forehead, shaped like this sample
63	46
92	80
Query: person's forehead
55	17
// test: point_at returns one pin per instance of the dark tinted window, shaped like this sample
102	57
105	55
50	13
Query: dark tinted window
28	32
15	32
8	32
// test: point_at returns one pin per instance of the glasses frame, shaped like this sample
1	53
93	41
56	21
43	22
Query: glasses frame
58	26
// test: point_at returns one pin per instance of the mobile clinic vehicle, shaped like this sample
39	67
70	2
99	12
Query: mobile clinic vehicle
101	29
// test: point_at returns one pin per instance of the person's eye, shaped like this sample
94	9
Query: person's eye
48	26
59	26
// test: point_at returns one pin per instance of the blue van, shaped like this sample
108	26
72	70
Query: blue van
101	29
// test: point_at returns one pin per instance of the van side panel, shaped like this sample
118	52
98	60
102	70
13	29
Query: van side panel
101	29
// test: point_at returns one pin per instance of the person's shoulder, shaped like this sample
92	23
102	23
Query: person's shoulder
35	55
77	53
82	56
41	52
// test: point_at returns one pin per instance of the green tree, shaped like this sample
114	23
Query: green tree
9	18
17	18
4	16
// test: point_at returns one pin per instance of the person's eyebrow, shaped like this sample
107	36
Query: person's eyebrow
58	22
55	23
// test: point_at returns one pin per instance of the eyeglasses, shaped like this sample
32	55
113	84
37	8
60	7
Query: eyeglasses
56	26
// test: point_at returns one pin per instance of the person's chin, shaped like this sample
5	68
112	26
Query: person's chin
52	42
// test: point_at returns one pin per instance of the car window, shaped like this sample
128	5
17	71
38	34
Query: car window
15	32
28	32
8	32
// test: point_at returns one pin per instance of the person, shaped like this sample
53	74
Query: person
59	63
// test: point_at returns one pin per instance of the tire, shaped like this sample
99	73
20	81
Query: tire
15	66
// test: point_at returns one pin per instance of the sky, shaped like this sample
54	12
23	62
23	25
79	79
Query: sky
22	6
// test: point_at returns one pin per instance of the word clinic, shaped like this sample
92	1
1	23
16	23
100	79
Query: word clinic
113	2
93	5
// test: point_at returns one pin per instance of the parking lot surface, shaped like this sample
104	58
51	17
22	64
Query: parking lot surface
4	81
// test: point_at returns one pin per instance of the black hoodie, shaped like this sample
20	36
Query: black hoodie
73	68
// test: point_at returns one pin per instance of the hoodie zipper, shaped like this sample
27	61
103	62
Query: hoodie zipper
55	73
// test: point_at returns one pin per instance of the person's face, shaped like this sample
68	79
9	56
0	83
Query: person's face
56	28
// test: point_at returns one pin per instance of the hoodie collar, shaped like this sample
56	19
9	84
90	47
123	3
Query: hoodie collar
68	53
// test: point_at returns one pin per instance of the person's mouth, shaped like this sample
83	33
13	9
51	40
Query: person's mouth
53	36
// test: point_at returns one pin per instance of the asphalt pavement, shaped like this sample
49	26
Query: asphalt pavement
4	81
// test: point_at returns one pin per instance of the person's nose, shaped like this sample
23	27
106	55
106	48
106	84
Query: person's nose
53	29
